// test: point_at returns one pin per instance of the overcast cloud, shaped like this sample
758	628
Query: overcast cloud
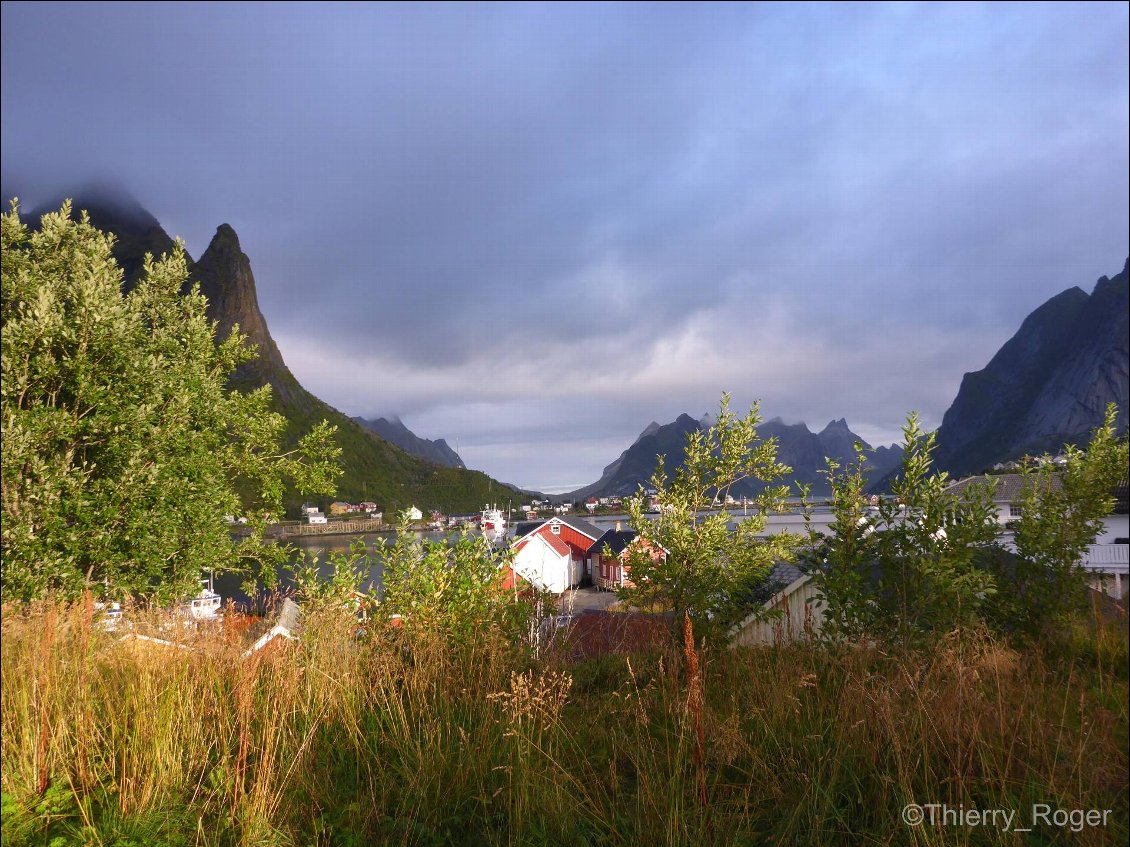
533	229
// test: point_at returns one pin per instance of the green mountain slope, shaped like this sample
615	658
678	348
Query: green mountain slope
373	468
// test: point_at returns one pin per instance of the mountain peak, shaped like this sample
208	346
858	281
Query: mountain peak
804	452
226	232
1047	385
650	429
393	430
226	280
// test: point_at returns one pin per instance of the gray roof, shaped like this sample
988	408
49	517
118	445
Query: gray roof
616	539
582	526
1009	485
784	573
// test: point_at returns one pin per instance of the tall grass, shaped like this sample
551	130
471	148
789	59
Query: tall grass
402	738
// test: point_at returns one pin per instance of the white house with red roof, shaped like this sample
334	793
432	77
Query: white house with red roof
556	554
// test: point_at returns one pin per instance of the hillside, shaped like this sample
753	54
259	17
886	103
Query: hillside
374	469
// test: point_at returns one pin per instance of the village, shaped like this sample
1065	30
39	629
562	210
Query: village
580	554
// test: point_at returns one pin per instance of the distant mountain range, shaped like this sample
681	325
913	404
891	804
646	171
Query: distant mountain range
1049	385
374	468
438	452
798	447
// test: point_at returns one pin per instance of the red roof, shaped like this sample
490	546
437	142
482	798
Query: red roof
554	541
559	546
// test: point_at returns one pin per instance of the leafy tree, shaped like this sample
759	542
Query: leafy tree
929	561
709	571
910	565
123	447
1061	511
453	586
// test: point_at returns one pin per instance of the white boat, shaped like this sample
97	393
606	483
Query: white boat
493	525
205	606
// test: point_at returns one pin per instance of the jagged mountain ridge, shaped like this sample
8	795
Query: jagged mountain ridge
1048	385
437	451
374	469
798	447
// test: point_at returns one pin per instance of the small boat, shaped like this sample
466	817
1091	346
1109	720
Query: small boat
205	606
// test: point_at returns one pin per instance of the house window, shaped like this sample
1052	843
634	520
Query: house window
1015	511
555	528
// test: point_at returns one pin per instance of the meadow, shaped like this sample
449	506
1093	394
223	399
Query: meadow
402	737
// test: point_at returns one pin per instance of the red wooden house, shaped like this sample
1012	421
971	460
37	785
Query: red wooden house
610	558
555	554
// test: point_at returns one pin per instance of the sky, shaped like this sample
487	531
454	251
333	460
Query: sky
533	229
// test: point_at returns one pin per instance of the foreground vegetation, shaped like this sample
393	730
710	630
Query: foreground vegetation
396	737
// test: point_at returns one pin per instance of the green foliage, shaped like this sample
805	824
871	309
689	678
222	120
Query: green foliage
123	448
908	567
348	571
1061	507
336	740
708	569
929	560
452	586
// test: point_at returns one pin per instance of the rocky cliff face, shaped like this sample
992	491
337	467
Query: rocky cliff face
224	274
1048	385
437	452
797	446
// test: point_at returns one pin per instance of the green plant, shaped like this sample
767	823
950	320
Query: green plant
693	562
931	560
1061	511
123	447
454	586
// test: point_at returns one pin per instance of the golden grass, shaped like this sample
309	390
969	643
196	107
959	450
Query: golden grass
406	738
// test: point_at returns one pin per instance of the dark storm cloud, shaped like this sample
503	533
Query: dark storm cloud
839	210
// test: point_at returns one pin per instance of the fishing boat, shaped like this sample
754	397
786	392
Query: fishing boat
205	606
492	523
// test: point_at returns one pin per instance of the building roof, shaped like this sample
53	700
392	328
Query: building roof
784	574
1009	485
582	526
552	541
600	633
616	540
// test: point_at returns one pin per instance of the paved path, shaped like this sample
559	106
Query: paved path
575	601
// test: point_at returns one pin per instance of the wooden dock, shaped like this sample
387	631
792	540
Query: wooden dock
335	528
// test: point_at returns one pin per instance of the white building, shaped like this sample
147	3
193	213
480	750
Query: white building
1108	559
